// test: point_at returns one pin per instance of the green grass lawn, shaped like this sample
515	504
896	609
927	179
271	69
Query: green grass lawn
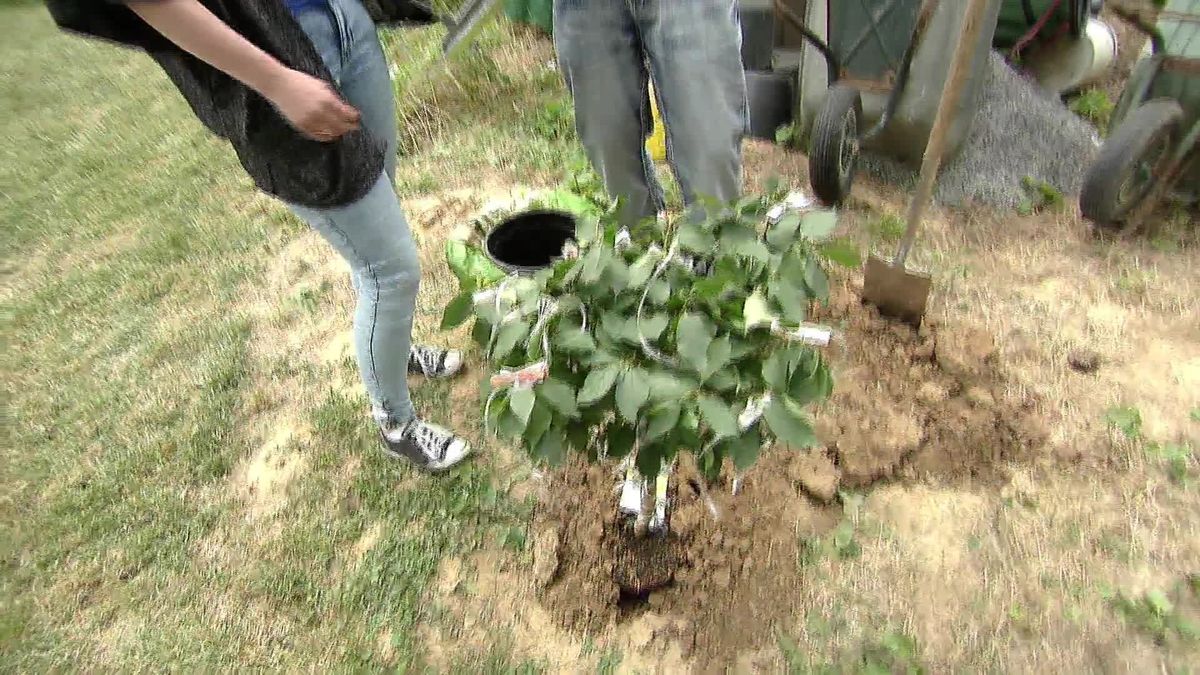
131	379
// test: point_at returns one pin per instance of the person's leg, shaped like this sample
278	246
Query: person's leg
366	80
602	61
694	49
372	235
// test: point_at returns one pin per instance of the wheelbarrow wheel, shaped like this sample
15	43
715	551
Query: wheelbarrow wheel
833	150
1131	163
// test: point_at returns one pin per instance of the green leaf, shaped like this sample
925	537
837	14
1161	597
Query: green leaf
783	232
471	266
572	340
620	440
736	234
717	356
457	311
843	252
811	387
818	225
641	270
509	425
718	416
793	300
615	325
653	326
792	267
724	380
481	333
710	288
816	280
660	292
598	383
1195	415
539	421
711	461
693	239
752	249
777	369
650	459
550	450
756	312
665	386
510	334
559	396
744	449
789	424
693	337
586	230
578	436
633	391
617	274
663	418
521	401
594	262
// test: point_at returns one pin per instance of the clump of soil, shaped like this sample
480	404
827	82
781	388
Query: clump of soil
911	403
906	404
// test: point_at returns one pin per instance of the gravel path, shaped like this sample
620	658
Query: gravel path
1019	131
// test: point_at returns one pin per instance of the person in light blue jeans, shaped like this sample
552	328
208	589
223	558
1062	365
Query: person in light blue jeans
608	51
317	146
372	234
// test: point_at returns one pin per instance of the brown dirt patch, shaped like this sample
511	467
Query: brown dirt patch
264	478
907	404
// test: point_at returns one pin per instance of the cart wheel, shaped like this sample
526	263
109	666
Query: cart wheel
1130	163
833	151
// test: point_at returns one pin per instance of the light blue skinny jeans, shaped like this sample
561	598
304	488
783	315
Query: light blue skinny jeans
609	49
371	234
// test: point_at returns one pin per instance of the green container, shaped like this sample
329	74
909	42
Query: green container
1180	28
539	13
1017	17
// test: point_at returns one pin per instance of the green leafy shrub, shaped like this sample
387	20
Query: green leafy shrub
671	335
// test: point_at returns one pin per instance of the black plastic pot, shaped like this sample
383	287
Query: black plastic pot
771	95
530	241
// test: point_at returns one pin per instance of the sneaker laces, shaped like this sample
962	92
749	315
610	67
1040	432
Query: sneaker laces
430	440
428	359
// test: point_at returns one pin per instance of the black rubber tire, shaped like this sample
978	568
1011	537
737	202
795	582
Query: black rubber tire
833	149
1146	129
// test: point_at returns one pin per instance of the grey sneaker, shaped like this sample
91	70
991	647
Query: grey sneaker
434	363
429	446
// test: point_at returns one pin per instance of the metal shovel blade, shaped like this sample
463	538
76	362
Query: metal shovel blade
897	293
462	29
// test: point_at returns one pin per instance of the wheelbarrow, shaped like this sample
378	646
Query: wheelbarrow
871	78
1154	146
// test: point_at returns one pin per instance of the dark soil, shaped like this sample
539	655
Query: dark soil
907	405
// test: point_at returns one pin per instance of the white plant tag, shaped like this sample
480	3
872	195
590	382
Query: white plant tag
632	493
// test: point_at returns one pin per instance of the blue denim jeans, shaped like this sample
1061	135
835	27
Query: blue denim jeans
372	233
609	49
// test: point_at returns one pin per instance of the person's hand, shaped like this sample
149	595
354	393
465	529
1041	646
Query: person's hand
311	106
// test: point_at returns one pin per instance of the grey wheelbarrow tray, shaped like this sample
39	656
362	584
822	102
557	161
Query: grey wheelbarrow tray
1153	147
895	55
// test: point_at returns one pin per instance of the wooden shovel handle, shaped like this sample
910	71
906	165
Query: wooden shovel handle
946	113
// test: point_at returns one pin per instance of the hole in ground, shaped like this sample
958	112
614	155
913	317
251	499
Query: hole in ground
530	241
632	602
